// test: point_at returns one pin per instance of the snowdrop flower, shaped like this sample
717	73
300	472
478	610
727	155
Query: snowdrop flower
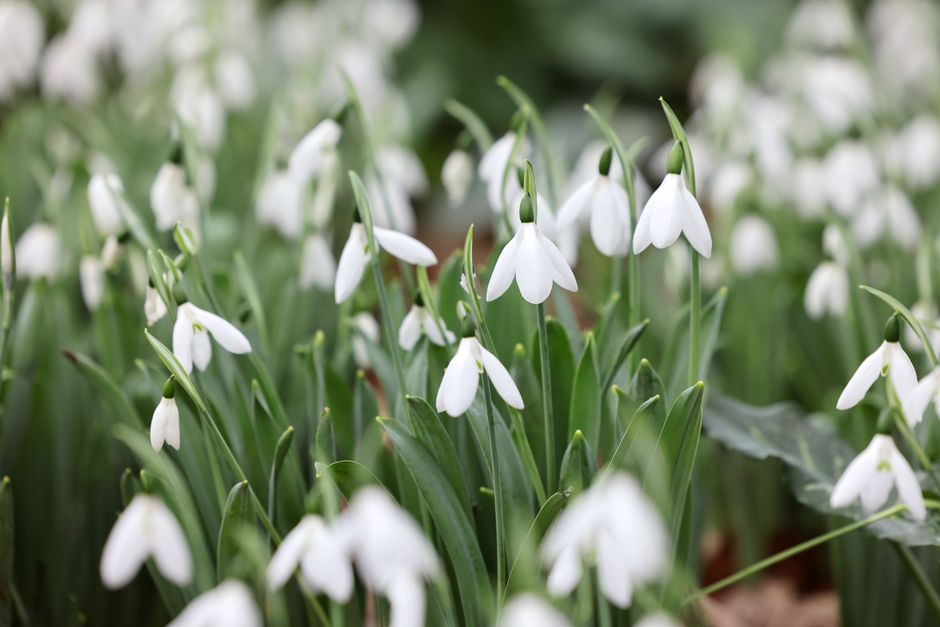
920	151
871	475
615	523
366	330
69	71
926	314
824	24
915	404
671	211
145	529
21	39
493	165
851	173
191	336
154	307
317	266
528	610
827	290
391	204
39	252
316	152
230	604
889	360
608	205
102	200
834	244
659	619
112	249
173	200
355	255
729	181
462	376
904	45
753	246
888	211
402	166
316	548
457	174
809	187
838	91
91	278
235	80
280	204
165	423
419	321
533	260
199	107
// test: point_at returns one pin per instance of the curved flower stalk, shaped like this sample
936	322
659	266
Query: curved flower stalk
355	255
889	360
419	321
315	153
230	604
145	529
528	610
103	190
871	475
533	260
191	336
315	546
165	423
615	524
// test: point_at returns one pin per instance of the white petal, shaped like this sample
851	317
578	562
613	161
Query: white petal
285	559
534	274
566	573
170	550
875	492
352	263
158	427
459	384
862	380
908	486
574	207
562	274
607	230
695	227
183	339
901	371
125	549
856	476
405	247
612	574
223	332
325	565
172	423
503	271
915	404
432	329
667	209
641	237
410	330
501	379
406	598
202	350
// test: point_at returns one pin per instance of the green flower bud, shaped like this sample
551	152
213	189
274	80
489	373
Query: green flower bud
466	327
675	160
169	388
526	212
603	166
893	329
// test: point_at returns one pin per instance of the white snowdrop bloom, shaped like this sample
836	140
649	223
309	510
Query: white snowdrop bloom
808	189
355	255
872	474
165	422
419	321
915	404
493	165
173	200
365	330
672	210
190	44
391	204
607	205
94	23
191	336
533	260
528	610
834	244
403	167
145	529
851	173
280	204
457	175
717	86
822	24
770	120
69	71
103	190
827	290
317	265
91	278
889	360
730	179
920	151
658	619
753	246
616	525
887	212
154	307
315	547
230	604
462	377
199	106
235	80
39	252
21	39
391	23
838	91
926	314
316	152
905	45
111	252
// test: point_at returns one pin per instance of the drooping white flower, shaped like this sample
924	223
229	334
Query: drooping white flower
729	180
165	423
154	307
419	321
493	165
173	200
904	45
608	206
533	260
887	212
317	265
21	39
316	152
753	245
920	151
658	619
91	278
838	91
69	71
39	252
926	314
403	167
390	23
824	24
834	244
365	330
280	204
871	475
315	547
199	107
851	173
616	525
528	610
462	376
355	255
809	187
456	175
915	403
889	360
230	604
191	336
827	290
102	200
111	252
235	80
145	529
391	204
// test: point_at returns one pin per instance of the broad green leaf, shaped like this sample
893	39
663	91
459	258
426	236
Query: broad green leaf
645	385
103	380
252	296
678	353
637	425
561	362
533	536
348	476
585	412
7	544
515	490
577	466
238	511
430	432
679	441
626	346
280	452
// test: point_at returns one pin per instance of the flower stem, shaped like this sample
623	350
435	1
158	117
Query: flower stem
695	315
547	413
497	493
920	578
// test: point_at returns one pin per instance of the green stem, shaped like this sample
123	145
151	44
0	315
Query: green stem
695	315
388	329
920	577
497	494
547	413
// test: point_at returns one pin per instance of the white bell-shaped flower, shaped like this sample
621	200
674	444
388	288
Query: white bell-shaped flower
851	173
199	107
173	200
926	314
39	252
888	360
145	529
235	80
91	278
22	36
103	190
827	290
317	265
366	330
753	246
355	255
456	175
528	610
887	212
154	307
316	152
69	71
493	165
165	423
616	525
462	377
280	204
230	604
315	547
533	260
871	475
926	390
191	336
391	204
419	321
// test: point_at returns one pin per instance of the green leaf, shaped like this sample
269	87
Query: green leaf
7	545
637	424
348	476
173	365
561	358
626	346
585	412
645	385
431	432
156	271
679	134
543	520
679	441
280	452
473	123
253	297
577	466
678	352
103	380
448	515
132	219
238	511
